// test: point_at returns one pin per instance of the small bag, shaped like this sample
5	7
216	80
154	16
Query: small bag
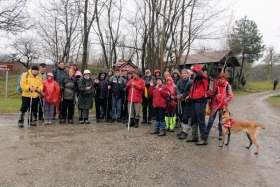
207	111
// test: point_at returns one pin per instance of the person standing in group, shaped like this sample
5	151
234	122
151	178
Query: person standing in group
101	94
58	75
147	105
67	67
125	111
275	83
124	101
175	76
43	75
222	96
110	73
165	75
160	93
157	73
31	86
85	101
52	98
198	97
184	106
75	68
171	105
135	89
68	88
116	85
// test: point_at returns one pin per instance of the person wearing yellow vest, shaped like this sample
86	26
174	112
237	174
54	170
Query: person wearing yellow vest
147	100
31	86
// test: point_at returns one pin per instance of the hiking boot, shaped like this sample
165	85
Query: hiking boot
144	122
33	123
62	120
20	124
220	137
131	124
162	132
192	140
70	121
119	120
183	136
180	133
136	121
202	142
111	120
156	131
102	117
81	121
87	121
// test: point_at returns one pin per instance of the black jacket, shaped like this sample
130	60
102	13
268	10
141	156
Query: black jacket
101	87
69	87
183	87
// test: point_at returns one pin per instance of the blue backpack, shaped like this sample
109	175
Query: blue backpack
18	82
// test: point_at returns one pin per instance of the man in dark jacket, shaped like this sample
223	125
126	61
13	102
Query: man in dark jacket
58	75
116	85
101	94
184	107
147	102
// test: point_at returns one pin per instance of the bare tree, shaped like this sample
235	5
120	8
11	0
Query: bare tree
26	51
13	16
60	30
270	59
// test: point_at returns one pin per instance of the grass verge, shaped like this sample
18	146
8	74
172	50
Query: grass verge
274	100
10	105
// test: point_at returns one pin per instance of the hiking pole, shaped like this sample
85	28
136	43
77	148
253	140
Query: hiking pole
130	107
41	103
30	107
180	111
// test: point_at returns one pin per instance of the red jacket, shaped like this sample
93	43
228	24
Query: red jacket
52	92
199	85
137	90
159	93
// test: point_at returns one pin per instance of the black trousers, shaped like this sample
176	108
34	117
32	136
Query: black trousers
25	104
98	104
147	109
67	105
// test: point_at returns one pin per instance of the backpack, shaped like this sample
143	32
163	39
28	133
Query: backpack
212	87
18	82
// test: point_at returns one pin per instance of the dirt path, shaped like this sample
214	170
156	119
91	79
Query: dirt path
109	155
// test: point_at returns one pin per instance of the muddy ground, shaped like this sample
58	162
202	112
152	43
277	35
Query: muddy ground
109	155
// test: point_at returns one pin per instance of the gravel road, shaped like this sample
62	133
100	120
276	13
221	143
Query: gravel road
106	154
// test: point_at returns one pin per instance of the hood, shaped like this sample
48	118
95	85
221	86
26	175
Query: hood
102	72
197	68
175	71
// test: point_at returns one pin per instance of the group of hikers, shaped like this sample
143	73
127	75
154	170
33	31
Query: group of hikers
176	99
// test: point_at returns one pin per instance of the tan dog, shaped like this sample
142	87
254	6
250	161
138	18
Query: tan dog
248	126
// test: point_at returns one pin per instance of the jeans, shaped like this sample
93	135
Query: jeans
211	121
198	116
160	114
116	106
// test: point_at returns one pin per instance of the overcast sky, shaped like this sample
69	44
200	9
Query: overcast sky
266	14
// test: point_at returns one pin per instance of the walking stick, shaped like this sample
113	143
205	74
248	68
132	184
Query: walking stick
30	107
41	103
130	108
180	112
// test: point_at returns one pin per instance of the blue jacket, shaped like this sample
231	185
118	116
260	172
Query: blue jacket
117	86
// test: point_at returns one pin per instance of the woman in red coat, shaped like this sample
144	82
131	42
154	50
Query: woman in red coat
160	93
171	105
52	97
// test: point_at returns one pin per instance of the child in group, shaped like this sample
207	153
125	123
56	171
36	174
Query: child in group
160	93
52	98
171	105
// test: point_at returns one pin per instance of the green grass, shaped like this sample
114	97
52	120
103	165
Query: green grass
274	100
259	86
10	105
